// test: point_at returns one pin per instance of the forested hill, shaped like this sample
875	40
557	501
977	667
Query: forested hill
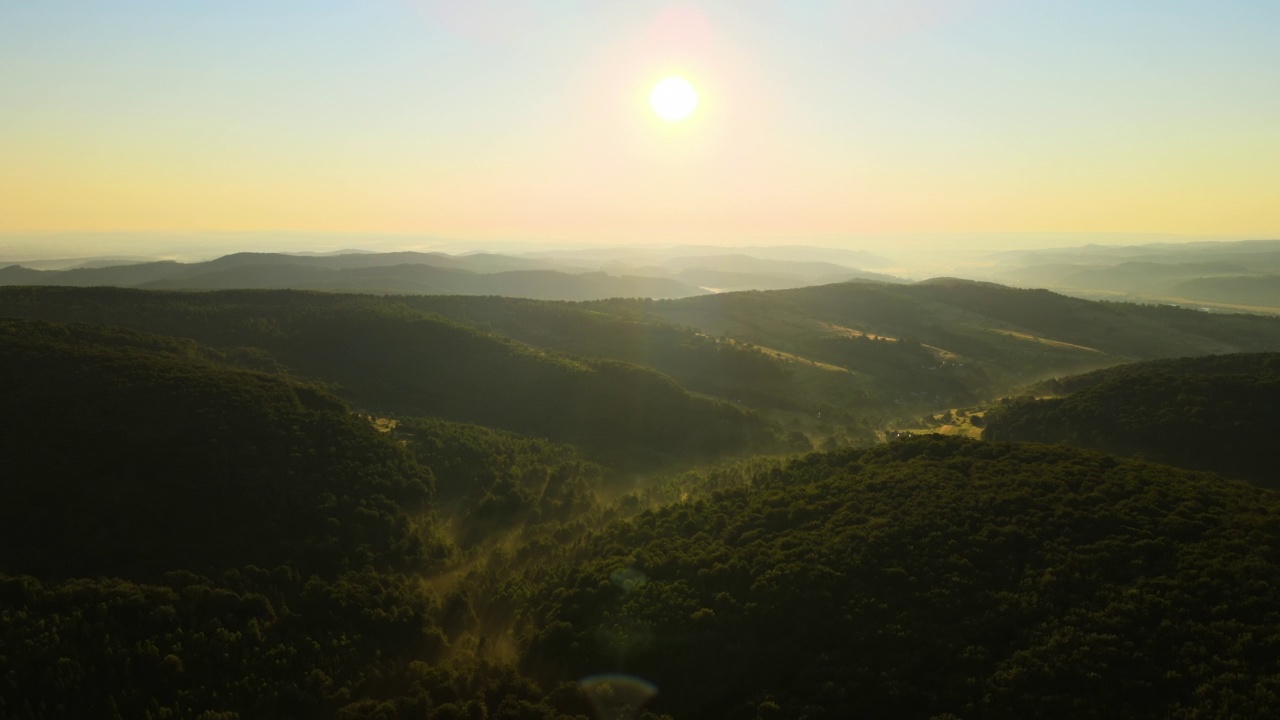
935	578
384	356
833	363
133	455
184	539
716	366
1214	413
277	557
1017	331
957	340
839	358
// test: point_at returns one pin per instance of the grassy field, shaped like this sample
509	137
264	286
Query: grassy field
1044	340
954	421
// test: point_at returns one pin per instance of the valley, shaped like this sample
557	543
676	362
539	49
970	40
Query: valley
649	360
464	504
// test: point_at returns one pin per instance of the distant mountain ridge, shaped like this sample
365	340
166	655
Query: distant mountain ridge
436	273
1226	275
407	272
1258	290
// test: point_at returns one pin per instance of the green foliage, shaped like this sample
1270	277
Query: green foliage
930	577
147	458
489	481
697	361
935	576
251	644
133	456
1216	413
386	357
994	337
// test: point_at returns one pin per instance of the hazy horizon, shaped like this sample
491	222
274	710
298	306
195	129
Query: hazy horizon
907	248
485	124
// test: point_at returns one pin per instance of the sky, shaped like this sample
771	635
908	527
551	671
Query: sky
497	120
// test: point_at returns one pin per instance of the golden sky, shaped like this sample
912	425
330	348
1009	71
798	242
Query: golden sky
503	119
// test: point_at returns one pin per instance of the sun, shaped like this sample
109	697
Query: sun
673	98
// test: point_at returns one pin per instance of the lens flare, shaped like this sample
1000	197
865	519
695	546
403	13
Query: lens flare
617	696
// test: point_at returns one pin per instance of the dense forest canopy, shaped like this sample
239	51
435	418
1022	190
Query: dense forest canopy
838	361
133	457
935	578
386	357
950	342
832	362
183	538
1214	413
283	504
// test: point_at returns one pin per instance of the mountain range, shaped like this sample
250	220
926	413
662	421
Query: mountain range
833	363
1225	276
564	278
291	503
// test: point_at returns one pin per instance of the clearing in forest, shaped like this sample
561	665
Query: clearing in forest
938	352
802	360
1043	340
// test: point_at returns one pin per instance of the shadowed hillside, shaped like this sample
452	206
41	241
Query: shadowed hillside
184	539
133	456
720	366
383	356
924	578
1214	413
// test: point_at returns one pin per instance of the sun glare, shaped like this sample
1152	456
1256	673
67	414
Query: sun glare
673	99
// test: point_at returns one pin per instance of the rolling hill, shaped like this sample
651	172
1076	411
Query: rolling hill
948	342
385	357
183	538
933	578
135	454
834	362
1261	291
1226	275
190	537
1214	413
839	359
402	272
